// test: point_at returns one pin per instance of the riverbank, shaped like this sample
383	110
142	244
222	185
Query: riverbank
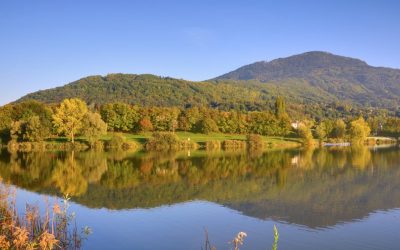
138	142
202	139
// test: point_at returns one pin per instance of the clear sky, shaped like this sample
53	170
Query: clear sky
44	44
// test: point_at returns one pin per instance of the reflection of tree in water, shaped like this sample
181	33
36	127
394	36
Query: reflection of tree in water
120	175
68	176
311	186
360	156
27	168
94	165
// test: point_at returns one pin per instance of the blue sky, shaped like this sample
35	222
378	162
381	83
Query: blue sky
44	44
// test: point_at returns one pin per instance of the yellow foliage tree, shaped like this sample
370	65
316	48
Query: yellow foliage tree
359	130
68	117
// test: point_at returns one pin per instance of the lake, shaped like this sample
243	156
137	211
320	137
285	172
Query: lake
323	198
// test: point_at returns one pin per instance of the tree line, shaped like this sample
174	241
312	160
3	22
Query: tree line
34	121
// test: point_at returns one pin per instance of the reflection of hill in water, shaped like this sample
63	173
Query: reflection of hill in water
316	188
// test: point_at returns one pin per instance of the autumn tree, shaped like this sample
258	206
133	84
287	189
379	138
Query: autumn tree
324	129
145	125
391	126
183	123
207	126
68	117
320	131
28	130
339	129
359	130
16	130
120	116
5	123
93	127
305	134
280	107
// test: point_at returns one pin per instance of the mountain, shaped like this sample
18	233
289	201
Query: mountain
312	78
343	77
151	90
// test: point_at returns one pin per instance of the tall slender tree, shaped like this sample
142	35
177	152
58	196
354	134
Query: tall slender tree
280	107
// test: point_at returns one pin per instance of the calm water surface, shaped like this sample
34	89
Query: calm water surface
329	198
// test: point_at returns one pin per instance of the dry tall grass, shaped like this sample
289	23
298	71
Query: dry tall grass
56	229
239	241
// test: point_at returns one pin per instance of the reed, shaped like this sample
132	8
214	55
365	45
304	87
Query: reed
55	229
238	241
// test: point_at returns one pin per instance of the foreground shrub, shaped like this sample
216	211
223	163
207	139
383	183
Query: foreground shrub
164	141
119	142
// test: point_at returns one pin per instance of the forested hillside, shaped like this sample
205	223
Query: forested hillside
340	77
313	79
151	90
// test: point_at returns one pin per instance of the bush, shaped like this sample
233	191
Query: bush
207	126
233	145
255	142
128	145
164	141
119	142
187	144
116	142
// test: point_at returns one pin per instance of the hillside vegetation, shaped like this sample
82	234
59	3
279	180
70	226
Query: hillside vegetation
307	80
332	76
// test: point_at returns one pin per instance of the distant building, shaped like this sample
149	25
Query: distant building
295	124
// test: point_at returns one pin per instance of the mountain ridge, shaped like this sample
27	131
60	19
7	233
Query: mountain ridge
312	77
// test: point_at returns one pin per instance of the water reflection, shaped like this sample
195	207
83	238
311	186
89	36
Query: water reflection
316	187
